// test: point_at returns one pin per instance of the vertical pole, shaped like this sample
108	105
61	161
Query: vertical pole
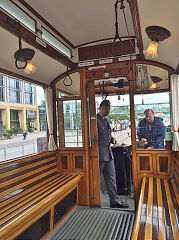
4	153
22	149
33	146
133	129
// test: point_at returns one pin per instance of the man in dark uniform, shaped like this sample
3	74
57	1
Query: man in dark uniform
106	160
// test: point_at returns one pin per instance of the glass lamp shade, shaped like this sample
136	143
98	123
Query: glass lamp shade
29	68
152	50
154	85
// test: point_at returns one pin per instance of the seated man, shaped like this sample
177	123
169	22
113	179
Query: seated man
151	131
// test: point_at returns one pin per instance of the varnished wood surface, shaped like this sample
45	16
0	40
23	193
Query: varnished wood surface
176	170
158	212
30	187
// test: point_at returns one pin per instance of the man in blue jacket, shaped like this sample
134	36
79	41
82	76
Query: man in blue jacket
106	159
151	131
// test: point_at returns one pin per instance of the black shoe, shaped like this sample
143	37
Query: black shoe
119	205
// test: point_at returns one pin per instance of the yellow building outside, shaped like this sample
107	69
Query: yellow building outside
18	105
22	115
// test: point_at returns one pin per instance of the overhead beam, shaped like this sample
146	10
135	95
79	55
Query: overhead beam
137	28
12	26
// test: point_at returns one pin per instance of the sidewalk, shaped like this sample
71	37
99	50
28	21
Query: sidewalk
19	137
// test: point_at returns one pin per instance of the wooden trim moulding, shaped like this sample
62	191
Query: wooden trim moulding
177	69
100	40
136	22
155	63
25	4
69	98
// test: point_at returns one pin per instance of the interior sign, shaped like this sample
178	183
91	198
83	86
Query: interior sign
98	68
83	64
105	61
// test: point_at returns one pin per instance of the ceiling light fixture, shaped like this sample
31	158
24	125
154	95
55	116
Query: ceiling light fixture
156	34
24	55
155	80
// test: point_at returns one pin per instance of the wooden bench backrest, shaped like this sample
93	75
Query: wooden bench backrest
19	175
157	211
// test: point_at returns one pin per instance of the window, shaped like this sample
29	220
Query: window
2	91
152	126
55	42
72	123
29	93
15	90
18	13
14	119
1	123
42	117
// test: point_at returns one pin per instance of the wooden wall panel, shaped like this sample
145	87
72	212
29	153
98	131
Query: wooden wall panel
144	163
104	50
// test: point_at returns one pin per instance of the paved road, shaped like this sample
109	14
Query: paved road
16	147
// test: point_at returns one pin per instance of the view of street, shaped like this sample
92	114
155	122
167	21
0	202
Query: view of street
16	146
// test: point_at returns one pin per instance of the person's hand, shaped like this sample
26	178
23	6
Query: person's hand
149	148
114	141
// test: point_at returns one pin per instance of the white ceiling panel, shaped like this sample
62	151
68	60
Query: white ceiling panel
47	68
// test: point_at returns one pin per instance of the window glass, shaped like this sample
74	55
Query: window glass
55	43
22	126
152	115
14	90
2	92
29	93
72	123
149	77
17	13
119	118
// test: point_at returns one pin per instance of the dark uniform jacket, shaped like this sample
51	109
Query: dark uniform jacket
104	139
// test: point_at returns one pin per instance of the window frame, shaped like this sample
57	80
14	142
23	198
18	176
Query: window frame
42	27
21	9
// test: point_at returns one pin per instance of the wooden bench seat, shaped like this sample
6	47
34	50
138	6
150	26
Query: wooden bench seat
29	188
158	213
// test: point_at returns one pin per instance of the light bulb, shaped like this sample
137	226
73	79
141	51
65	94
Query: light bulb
154	85
29	68
151	50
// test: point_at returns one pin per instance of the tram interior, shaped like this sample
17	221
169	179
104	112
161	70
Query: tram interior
84	52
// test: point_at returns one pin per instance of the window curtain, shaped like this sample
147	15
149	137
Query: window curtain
49	111
175	110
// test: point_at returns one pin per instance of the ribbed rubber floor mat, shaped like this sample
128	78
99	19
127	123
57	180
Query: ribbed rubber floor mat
95	224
